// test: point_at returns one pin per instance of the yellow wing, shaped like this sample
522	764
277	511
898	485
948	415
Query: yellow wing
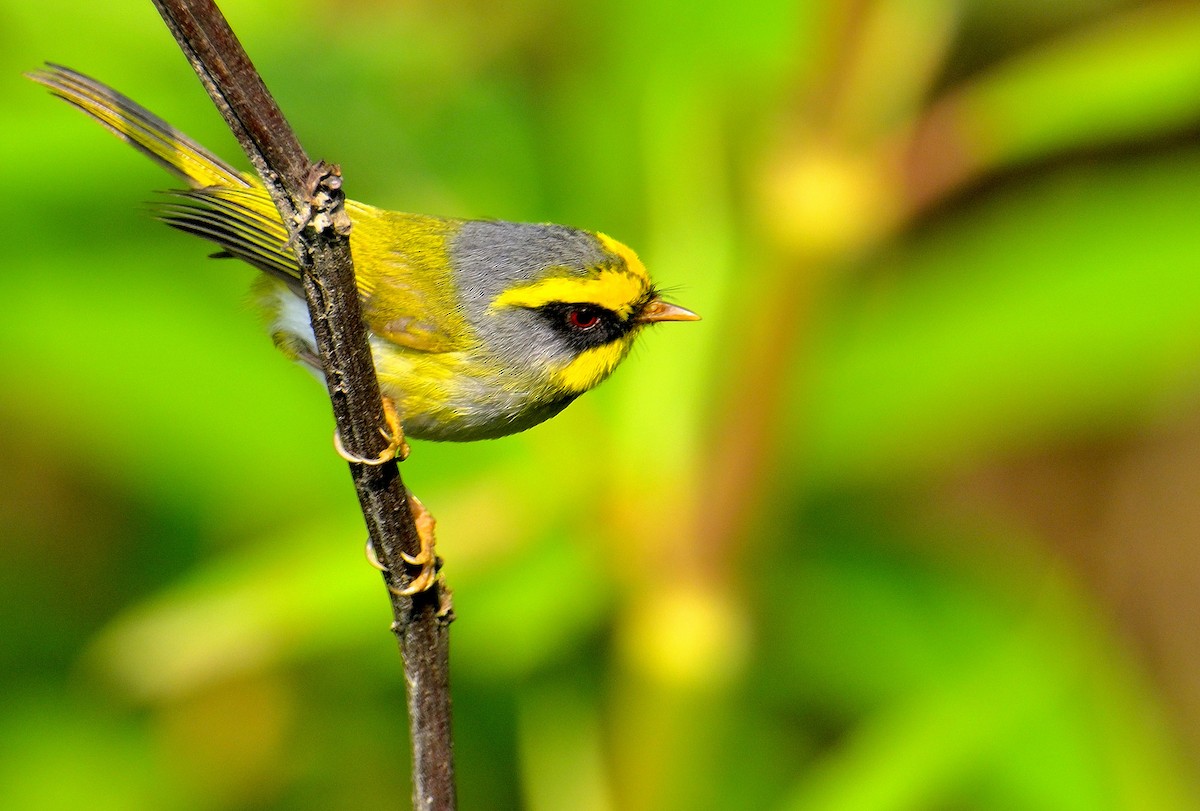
400	258
224	205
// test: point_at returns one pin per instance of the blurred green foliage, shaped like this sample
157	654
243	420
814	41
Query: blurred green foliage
944	250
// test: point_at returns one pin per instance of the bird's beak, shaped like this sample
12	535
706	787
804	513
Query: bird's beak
659	310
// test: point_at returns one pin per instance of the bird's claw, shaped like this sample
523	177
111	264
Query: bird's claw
397	447
425	557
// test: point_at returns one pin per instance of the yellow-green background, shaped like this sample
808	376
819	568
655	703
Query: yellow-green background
909	521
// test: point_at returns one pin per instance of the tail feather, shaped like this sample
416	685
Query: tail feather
223	206
215	214
139	127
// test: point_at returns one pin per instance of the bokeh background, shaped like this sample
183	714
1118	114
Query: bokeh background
909	522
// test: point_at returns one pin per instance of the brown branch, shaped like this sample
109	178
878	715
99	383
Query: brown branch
309	199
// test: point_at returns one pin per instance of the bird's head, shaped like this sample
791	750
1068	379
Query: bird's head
562	304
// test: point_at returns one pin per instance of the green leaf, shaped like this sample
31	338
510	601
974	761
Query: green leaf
1066	307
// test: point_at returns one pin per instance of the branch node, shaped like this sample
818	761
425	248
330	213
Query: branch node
445	612
324	205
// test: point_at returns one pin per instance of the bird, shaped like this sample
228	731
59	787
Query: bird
478	328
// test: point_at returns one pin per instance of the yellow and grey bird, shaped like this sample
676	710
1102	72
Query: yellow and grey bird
478	328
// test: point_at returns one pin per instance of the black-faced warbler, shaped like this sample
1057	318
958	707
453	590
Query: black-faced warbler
478	328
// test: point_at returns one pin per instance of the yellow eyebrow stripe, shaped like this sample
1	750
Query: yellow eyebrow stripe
627	256
614	289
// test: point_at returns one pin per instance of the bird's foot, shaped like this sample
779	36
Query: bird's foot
425	557
396	448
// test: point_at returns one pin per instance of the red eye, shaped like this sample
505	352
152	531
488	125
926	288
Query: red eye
583	318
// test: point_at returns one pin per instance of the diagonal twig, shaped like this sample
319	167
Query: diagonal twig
309	199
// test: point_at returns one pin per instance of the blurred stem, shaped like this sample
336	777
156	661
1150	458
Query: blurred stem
310	200
830	191
777	326
1090	88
